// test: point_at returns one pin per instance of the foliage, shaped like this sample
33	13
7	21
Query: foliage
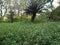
43	17
55	14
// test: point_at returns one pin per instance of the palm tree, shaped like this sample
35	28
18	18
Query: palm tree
35	6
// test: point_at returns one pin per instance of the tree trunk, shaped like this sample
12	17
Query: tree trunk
1	10
18	12
5	12
51	10
11	18
33	17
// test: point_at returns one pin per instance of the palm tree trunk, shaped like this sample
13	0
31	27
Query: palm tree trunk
33	17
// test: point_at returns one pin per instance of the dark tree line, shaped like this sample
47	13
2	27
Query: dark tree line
32	7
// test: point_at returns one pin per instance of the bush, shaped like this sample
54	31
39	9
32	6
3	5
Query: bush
43	17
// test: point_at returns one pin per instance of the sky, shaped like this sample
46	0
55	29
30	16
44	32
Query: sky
55	3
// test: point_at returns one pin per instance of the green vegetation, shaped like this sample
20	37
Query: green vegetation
28	33
17	29
55	14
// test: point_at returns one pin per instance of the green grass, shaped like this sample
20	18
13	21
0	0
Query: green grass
24	32
28	33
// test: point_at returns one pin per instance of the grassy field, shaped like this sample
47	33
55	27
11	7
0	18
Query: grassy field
28	33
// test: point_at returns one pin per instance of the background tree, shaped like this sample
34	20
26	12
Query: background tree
1	4
56	14
11	16
6	5
59	2
35	6
51	6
